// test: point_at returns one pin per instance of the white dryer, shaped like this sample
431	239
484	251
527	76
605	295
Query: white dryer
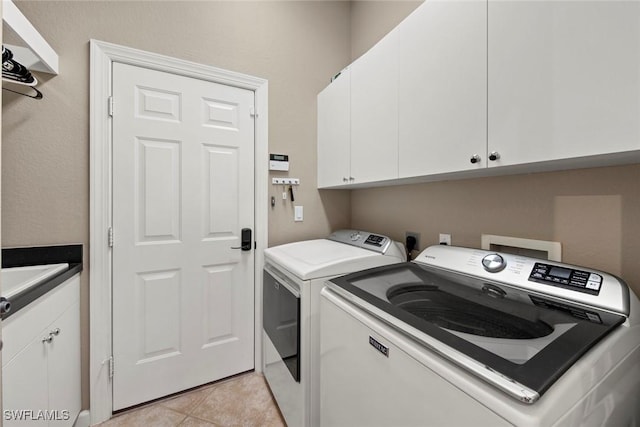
294	274
469	337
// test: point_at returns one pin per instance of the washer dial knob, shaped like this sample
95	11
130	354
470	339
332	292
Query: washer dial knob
493	263
355	236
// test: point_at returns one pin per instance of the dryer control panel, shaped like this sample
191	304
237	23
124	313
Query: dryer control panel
362	239
568	278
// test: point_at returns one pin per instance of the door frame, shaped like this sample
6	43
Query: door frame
103	55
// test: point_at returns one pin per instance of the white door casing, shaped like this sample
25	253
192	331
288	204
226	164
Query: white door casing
183	188
103	57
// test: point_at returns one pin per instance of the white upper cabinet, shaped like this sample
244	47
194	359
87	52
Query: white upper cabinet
564	79
443	88
334	132
478	87
374	113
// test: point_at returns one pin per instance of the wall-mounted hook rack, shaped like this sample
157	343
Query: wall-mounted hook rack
285	181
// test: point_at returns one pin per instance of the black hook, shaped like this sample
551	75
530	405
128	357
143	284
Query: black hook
38	94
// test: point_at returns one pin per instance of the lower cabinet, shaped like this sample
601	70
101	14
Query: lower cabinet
41	360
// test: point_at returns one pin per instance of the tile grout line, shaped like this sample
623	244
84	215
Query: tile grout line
188	411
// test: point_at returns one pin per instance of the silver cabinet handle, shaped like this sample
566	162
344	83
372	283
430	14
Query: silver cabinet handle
475	159
494	155
351	178
53	333
345	179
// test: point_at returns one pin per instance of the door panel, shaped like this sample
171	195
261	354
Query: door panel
183	186
63	366
159	192
159	335
564	79
443	88
334	132
221	189
374	112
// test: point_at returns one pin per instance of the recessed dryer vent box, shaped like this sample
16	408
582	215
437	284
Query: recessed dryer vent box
542	249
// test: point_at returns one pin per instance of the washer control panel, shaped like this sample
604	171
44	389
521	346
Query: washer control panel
493	263
562	282
568	278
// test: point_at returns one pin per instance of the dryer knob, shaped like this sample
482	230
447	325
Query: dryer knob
493	263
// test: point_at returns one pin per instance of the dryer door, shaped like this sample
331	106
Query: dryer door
281	318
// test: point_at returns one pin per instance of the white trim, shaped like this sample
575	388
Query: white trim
103	55
38	55
553	249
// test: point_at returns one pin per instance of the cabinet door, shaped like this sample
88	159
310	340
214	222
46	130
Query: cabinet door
374	112
334	132
443	88
564	79
24	381
64	367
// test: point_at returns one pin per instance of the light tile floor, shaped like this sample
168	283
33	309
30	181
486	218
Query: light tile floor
242	401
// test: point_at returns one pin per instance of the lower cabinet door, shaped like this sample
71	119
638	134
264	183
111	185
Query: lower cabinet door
41	381
24	379
64	372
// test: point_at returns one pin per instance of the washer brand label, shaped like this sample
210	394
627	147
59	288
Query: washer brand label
381	348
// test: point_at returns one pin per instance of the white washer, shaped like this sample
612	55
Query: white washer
470	337
294	274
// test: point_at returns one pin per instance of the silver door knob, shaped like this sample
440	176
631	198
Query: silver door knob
494	155
48	339
345	179
475	159
55	332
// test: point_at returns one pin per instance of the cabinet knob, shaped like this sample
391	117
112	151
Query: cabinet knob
5	306
55	332
494	155
474	159
48	339
351	178
345	179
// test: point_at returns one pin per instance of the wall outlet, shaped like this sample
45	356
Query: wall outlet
415	236
445	239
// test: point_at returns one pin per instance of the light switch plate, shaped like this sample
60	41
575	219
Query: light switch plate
297	213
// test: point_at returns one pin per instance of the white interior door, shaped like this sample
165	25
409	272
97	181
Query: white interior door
183	188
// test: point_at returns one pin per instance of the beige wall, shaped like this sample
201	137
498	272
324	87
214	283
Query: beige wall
297	46
592	212
372	20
